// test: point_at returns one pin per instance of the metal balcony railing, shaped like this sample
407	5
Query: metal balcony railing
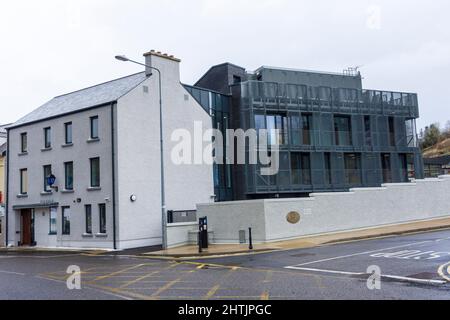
326	96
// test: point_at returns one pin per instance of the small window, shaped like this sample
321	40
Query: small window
88	211
47	173
66	221
68	132
343	130
47	138
53	215
24	181
68	169
95	172
102	218
367	131
391	132
94	127
23	142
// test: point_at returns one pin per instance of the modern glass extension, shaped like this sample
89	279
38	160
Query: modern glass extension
331	139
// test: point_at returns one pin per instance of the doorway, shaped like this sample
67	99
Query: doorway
26	217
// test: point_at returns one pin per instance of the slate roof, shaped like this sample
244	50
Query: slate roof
83	99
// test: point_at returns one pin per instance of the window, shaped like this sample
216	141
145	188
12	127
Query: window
68	132
352	162
24	181
386	167
95	172
367	131
102	218
328	176
66	221
277	122
392	132
47	173
47	138
53	215
343	130
301	168
94	127
88	212
68	169
294	129
306	123
23	143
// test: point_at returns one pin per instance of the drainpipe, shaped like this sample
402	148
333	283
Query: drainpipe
7	190
113	161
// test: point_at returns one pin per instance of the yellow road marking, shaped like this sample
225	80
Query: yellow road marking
212	292
122	292
268	278
165	288
118	272
148	275
265	296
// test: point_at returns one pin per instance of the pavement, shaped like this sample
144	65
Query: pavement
414	266
192	251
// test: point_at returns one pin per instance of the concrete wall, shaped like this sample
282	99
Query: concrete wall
138	156
79	153
178	233
330	212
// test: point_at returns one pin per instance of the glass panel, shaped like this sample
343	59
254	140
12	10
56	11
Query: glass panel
68	133
342	128
66	220
23	181
88	219
68	175
47	173
352	163
95	172
102	220
386	167
24	142
47	138
306	125
53	225
94	127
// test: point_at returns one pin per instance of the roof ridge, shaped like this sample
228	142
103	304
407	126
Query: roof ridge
99	84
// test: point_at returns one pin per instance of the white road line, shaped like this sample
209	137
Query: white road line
10	272
444	271
362	253
416	280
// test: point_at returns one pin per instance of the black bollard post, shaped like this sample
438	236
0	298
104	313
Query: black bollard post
250	238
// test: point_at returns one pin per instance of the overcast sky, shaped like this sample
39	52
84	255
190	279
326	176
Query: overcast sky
51	47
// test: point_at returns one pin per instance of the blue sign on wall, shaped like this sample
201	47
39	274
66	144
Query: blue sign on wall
51	180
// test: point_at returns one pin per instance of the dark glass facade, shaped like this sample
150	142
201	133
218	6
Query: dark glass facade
331	138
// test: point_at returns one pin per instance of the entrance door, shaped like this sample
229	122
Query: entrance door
26	228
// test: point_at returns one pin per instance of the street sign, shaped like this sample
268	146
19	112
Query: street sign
51	179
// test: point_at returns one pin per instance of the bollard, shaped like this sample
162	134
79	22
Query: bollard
200	244
250	238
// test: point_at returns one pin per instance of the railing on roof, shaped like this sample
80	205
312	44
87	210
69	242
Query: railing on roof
327	95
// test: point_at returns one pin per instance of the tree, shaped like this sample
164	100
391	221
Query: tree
446	133
432	136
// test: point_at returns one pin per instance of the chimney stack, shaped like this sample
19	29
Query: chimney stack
167	64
